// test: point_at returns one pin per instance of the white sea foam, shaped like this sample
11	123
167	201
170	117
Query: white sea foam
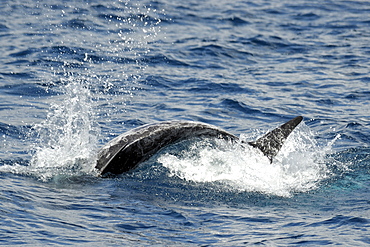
299	166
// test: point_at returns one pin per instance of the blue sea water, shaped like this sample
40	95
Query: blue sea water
75	74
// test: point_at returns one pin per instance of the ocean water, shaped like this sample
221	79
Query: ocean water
75	74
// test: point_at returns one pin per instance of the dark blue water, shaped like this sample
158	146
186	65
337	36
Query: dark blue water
75	74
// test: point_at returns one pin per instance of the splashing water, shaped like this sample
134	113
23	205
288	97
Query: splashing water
299	166
67	139
69	136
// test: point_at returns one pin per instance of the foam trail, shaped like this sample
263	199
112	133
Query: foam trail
299	167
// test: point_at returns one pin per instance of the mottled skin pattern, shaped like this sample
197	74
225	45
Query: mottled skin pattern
126	151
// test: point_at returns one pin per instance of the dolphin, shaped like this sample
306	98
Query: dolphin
128	150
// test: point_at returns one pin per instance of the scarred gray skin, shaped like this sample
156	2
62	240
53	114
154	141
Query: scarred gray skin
126	151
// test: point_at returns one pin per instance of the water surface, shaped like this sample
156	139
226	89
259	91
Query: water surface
73	75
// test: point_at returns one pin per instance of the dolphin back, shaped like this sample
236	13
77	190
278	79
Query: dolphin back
126	151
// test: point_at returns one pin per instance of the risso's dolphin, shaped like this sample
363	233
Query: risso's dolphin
126	151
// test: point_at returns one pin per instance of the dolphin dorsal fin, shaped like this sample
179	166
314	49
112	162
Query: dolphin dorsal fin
271	143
